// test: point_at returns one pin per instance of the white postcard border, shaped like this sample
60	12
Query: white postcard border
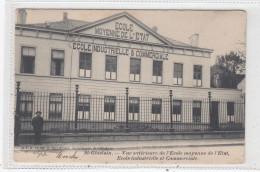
252	157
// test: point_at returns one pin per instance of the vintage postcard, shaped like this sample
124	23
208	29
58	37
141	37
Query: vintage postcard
129	86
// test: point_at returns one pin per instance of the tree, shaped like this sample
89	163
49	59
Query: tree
242	50
231	65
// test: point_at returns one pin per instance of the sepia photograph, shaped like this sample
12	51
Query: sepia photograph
129	86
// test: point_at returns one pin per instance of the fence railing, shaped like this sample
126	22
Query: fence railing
83	112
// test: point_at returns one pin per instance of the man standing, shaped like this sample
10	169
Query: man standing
37	123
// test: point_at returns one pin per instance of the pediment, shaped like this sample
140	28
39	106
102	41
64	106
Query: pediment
123	27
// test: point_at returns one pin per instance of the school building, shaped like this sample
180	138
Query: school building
104	58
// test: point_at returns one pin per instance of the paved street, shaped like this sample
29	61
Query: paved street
135	144
213	151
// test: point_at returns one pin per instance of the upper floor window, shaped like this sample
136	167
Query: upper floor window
27	60
55	106
26	104
85	61
57	62
216	80
84	107
135	66
177	76
197	76
157	71
111	67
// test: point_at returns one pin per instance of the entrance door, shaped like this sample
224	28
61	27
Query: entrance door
214	123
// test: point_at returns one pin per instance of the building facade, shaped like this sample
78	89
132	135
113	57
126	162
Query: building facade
105	57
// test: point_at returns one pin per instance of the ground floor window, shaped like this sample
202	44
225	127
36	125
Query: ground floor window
55	111
26	104
176	116
230	111
156	109
109	108
133	109
196	111
84	107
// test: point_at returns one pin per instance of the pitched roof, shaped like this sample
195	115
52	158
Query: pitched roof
65	25
178	43
240	77
71	24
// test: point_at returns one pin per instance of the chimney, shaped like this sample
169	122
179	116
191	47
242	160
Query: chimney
154	28
21	18
194	40
65	16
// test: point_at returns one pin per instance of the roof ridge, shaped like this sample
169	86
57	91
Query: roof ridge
58	22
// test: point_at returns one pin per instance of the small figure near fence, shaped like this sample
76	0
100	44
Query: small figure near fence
37	123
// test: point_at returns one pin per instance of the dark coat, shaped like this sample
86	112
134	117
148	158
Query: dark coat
37	123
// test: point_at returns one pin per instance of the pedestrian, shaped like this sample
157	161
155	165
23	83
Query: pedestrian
37	123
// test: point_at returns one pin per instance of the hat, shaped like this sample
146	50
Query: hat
38	112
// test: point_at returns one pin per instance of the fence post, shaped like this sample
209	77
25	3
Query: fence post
210	110
76	106
17	122
127	111
18	83
171	109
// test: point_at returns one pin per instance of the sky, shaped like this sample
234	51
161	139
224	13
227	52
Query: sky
222	31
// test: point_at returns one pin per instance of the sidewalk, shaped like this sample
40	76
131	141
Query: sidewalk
128	145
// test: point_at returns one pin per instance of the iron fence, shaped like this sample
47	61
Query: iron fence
82	112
